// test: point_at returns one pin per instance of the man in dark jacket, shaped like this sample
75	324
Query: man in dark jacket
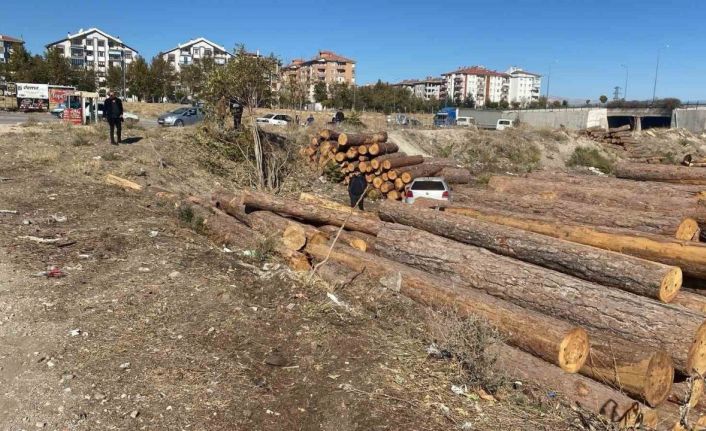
113	113
356	189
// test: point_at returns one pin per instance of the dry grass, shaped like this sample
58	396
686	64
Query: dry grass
150	110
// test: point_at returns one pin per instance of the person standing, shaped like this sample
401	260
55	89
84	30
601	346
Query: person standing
113	113
356	190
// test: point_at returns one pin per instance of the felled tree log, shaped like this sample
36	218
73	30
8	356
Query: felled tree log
636	275
663	173
455	175
358	240
646	200
690	300
442	161
122	182
303	211
293	235
605	309
221	228
587	393
544	336
643	373
399	162
643	221
328	203
348	139
411	172
376	162
328	134
683	191
382	148
687	255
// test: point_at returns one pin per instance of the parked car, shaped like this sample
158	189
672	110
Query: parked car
504	124
181	117
275	119
465	121
429	188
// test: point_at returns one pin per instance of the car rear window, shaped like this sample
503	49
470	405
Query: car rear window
428	186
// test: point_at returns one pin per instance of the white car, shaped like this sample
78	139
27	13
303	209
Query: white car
429	188
275	119
504	124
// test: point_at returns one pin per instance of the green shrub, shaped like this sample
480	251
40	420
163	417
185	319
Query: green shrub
590	157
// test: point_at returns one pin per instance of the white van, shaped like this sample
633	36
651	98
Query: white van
504	124
465	121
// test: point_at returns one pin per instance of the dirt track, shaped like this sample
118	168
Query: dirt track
153	327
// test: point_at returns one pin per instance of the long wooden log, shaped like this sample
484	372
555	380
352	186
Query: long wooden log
595	195
643	373
442	161
649	222
662	173
382	148
687	255
636	275
358	240
293	235
221	228
348	139
544	336
399	162
375	163
303	211
328	134
683	191
587	393
690	300
411	172
613	311
328	203
456	175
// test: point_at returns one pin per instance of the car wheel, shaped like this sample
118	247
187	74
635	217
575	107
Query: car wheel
179	123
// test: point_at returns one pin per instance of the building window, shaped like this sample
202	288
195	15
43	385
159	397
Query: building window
171	58
101	54
101	64
127	54
76	52
207	52
77	62
101	43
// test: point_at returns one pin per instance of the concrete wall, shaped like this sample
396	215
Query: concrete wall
576	118
693	119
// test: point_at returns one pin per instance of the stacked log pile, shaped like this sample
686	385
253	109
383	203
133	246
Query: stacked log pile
621	136
385	168
596	312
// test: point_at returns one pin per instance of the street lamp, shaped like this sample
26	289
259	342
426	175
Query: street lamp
654	88
549	78
625	89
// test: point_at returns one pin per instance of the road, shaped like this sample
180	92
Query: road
44	117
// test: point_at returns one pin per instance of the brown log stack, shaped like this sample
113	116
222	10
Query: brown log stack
662	173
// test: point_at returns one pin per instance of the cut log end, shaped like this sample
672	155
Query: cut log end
671	284
298	262
358	244
696	360
574	350
688	230
658	381
294	237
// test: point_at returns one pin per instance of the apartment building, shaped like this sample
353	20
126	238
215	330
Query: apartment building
327	67
195	50
428	89
94	49
7	45
482	84
524	86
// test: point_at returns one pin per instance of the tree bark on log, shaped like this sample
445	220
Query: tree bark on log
455	175
348	139
595	195
383	148
399	162
662	173
358	240
604	309
691	301
544	336
443	162
587	393
687	255
636	275
222	229
683	191
375	163
642	372
328	134
534	205
409	173
307	212
333	205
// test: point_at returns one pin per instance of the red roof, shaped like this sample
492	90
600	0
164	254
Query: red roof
477	70
10	39
332	56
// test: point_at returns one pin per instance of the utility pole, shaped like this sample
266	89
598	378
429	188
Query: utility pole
122	67
654	88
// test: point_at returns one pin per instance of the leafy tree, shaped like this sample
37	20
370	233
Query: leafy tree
468	102
138	78
564	103
20	66
603	98
114	78
588	101
556	104
58	68
193	76
503	104
85	80
515	104
161	79
320	92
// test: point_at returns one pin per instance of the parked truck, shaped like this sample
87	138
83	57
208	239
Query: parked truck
484	119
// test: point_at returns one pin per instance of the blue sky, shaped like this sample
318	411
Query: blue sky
585	42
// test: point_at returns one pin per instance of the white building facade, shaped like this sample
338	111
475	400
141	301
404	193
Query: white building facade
524	87
95	49
7	45
481	84
427	89
196	50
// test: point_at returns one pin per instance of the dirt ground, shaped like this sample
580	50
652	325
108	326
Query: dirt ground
153	327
